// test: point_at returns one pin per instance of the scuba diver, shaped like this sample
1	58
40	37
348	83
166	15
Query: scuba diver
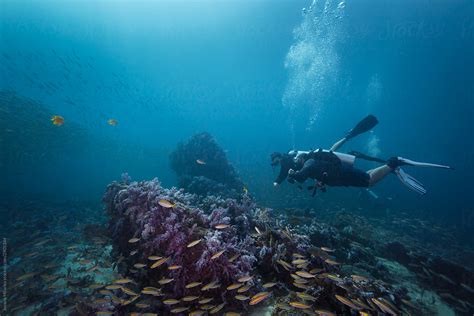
329	167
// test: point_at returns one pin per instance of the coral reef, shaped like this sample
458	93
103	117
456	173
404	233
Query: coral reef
222	243
137	211
202	167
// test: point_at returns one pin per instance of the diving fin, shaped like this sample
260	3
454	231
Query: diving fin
410	182
363	126
422	164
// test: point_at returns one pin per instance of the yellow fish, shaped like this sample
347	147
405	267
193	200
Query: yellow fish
297	255
234	257
245	278
305	274
305	296
347	302
217	254
171	301
193	243
165	281
113	287
200	162
154	258
205	300
139	265
216	309
269	285
243	289
210	286
159	262
331	262
128	291
112	122
175	267
190	298
257	298
234	286
179	310
241	297
196	313
57	120
299	261
246	191
193	284
166	204
299	305
142	305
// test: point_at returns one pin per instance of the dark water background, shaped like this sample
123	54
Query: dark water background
260	76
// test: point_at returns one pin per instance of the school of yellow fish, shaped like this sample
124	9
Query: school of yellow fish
247	289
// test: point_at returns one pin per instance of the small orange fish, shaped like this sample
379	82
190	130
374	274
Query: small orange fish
57	120
166	204
112	122
257	298
193	243
200	162
217	254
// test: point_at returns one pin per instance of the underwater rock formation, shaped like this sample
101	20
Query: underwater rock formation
202	167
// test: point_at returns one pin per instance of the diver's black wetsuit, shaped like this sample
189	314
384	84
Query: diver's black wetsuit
327	168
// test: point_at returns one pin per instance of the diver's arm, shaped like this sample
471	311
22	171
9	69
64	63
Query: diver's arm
338	144
281	176
305	172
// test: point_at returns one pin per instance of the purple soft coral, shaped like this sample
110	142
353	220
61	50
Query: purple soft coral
135	211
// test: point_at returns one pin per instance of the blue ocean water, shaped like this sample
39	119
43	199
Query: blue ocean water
259	76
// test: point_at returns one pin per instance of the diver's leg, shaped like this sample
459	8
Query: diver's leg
378	174
338	144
